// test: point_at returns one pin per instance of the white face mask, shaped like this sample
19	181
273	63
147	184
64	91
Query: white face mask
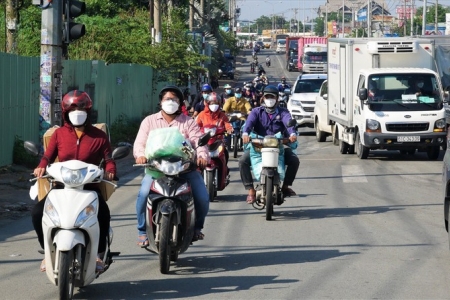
77	117
170	107
270	102
214	107
420	85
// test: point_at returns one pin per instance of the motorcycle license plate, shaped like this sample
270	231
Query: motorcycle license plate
414	138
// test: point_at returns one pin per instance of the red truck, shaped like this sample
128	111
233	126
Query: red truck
312	54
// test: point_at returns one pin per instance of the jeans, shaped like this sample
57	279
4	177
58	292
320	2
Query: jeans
290	160
201	199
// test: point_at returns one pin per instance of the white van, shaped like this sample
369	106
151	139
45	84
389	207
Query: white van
281	46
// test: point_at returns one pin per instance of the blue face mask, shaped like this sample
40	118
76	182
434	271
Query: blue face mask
228	92
238	95
205	96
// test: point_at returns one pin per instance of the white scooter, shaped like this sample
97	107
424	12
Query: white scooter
70	224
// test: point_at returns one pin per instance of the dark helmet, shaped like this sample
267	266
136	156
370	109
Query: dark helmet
206	88
174	89
78	99
238	90
270	89
283	79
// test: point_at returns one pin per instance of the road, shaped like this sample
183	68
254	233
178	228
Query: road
359	229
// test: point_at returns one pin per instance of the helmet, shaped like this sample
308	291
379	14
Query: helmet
270	89
212	97
174	89
206	88
76	98
283	79
227	86
248	85
238	90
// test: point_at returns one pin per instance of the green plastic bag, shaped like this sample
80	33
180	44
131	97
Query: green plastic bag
164	142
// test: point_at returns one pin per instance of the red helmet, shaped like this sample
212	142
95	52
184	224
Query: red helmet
76	98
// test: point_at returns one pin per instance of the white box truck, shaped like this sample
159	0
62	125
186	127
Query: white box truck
383	94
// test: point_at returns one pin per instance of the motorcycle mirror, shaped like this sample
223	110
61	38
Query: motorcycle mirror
31	148
203	140
120	152
292	123
287	91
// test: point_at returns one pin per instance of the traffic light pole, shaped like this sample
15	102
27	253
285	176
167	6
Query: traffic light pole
51	65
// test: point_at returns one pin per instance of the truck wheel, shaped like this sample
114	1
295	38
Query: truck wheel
433	152
320	135
343	147
361	150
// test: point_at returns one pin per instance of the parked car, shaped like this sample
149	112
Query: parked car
303	99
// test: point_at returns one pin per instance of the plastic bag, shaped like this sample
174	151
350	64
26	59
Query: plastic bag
163	142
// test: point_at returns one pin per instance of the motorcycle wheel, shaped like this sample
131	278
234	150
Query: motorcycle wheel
235	146
164	251
210	184
66	281
269	198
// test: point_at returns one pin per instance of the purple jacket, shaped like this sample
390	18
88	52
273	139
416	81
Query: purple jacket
258	120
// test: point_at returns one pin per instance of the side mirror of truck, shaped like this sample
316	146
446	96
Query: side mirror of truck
362	94
325	96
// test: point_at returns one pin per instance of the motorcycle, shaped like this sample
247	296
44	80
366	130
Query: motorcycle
70	224
216	172
252	68
237	120
170	213
267	160
284	97
267	62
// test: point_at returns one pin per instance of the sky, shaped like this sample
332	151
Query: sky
306	9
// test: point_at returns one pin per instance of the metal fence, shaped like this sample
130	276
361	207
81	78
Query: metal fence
116	90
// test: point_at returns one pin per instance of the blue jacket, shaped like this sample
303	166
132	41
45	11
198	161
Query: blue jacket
259	121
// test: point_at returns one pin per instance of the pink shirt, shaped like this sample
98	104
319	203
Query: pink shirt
186	125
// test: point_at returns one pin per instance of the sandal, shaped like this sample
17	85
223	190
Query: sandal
198	235
143	241
99	266
43	267
288	192
251	199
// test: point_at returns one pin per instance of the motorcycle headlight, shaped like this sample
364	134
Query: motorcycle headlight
216	152
440	124
296	102
373	125
172	168
212	130
270	142
86	213
73	177
51	212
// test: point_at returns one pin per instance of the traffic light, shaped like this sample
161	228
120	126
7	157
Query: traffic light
73	31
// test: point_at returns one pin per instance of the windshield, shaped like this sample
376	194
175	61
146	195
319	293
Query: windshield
282	43
315	57
399	92
308	85
293	44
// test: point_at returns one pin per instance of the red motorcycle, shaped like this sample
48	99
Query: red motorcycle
216	172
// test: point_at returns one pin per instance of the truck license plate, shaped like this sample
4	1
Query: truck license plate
408	139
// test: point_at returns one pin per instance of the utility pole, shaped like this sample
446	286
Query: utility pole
51	64
11	25
191	15
151	20
157	19
436	32
202	12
